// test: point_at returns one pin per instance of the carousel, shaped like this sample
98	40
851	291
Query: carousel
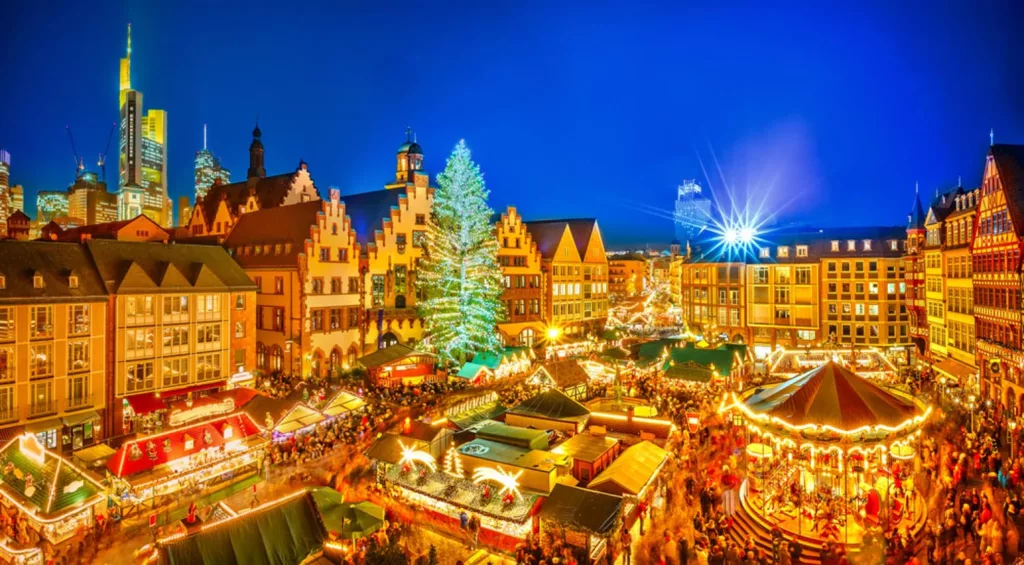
829	457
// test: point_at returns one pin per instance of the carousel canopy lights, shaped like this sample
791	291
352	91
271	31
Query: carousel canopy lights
412	456
507	481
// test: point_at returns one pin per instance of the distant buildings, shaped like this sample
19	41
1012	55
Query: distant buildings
17	198
627	275
142	162
89	200
5	196
184	210
51	204
208	172
693	211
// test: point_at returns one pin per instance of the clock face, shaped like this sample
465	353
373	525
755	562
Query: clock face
995	367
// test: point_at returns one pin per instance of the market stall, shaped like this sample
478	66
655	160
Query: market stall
46	500
633	476
342	404
399	365
146	412
828	453
152	471
508	362
582	518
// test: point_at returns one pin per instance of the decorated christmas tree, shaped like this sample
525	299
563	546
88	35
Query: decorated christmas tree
459	276
453	464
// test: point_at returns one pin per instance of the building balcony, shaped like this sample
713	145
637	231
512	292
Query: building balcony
80	401
42	408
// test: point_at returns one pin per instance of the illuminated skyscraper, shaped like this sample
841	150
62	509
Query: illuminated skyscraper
142	146
184	210
5	195
50	204
208	170
693	211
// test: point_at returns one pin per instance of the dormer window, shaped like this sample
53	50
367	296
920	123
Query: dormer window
765	253
894	245
867	245
851	245
835	245
73	281
784	251
37	281
801	251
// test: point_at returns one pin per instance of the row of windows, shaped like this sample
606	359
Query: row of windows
959	267
522	281
871	287
41	321
960	300
1005	298
840	331
142	376
141	342
140	309
522	307
332	319
336	287
960	336
997	262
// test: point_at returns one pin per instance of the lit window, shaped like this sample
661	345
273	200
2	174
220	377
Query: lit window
801	251
851	245
784	251
835	245
765	253
867	245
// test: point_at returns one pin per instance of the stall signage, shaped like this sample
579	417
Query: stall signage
179	417
693	422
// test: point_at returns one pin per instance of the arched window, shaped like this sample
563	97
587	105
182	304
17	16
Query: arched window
276	359
334	362
261	355
388	340
353	354
526	337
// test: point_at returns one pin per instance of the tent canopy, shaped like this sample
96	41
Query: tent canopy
835	396
283	533
343	403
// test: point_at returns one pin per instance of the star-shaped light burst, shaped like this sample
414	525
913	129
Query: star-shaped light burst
507	481
412	456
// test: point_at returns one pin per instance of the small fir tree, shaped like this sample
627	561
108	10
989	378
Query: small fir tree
453	464
459	276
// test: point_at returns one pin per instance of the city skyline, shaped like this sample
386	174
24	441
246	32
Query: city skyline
344	119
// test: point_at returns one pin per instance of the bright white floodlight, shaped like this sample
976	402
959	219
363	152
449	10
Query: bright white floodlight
746	234
732	236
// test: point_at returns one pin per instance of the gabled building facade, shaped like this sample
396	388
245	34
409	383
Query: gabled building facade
958	226
308	289
524	279
996	277
914	277
216	213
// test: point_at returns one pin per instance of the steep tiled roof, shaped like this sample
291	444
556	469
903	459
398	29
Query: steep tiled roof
290	224
819	244
270	192
368	210
917	218
108	230
128	265
1009	161
55	261
547	235
944	204
582	230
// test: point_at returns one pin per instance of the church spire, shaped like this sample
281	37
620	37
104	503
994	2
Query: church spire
256	169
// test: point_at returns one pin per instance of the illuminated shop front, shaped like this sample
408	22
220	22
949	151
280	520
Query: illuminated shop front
150	471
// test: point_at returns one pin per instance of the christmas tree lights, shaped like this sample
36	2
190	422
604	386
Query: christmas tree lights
459	275
453	464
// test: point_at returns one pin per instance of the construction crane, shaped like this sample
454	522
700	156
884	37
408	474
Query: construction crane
102	161
79	164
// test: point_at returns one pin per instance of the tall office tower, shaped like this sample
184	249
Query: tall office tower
142	160
50	204
208	169
693	211
17	198
5	194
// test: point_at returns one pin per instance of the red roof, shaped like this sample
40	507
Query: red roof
149	401
241	396
123	465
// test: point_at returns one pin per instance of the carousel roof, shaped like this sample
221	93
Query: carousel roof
835	396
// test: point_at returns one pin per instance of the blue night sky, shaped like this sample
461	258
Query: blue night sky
827	113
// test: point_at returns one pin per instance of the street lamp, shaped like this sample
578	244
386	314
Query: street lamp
1013	426
971	399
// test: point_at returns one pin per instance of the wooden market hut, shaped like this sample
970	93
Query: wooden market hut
565	374
510	361
54	496
633	472
550	409
343	403
591	453
582	518
399	365
475	373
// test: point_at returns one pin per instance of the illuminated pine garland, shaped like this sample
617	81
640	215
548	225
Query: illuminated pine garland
460	276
